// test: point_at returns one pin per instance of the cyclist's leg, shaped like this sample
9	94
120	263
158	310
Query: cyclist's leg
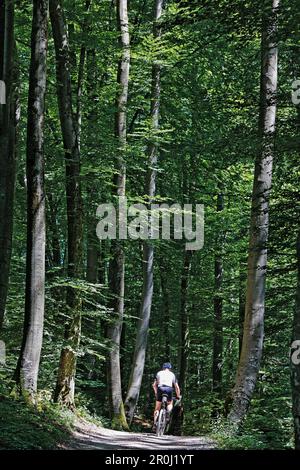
169	410
169	403
156	411
170	406
157	404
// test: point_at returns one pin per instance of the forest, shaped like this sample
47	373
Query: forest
149	213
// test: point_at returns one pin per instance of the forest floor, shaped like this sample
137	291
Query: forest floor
89	436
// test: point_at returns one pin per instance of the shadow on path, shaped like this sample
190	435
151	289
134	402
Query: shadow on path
89	436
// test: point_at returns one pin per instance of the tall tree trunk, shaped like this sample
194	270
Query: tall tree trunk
117	264
295	354
65	385
295	357
257	259
56	251
92	267
218	310
2	36
165	313
93	243
92	261
28	364
184	321
242	297
9	117
139	356
80	75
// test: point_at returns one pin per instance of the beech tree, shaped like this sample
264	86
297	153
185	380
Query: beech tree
9	117
218	309
29	359
184	314
252	345
65	385
148	248
295	366
117	264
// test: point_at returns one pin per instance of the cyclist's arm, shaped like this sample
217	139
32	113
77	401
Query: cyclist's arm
177	389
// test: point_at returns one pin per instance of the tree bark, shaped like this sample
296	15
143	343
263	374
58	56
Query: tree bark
139	356
55	242
257	258
92	276
65	386
218	310
242	297
165	311
80	75
295	358
184	321
92	262
2	36
295	355
9	117
117	264
28	364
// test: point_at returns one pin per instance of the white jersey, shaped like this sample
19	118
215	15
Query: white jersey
165	377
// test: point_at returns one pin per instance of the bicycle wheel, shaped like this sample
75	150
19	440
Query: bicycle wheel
161	422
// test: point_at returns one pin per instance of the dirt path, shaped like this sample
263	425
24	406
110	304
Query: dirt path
89	436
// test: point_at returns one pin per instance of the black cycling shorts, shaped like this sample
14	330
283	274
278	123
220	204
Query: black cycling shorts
164	390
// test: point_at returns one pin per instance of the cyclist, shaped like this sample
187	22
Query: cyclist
164	383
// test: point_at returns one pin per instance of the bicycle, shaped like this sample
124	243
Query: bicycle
163	416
